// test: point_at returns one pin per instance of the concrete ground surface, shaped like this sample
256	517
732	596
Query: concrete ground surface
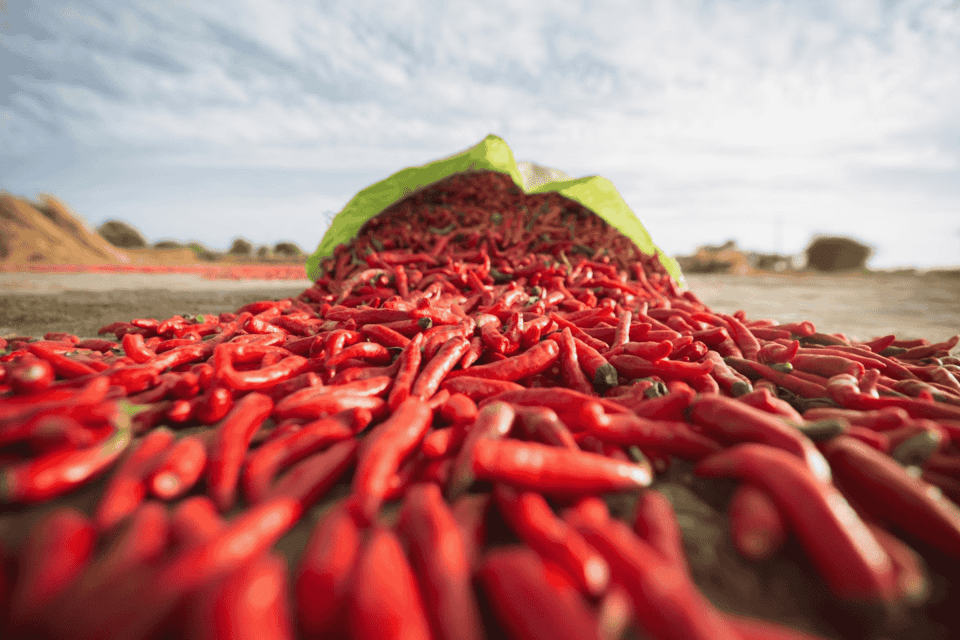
785	588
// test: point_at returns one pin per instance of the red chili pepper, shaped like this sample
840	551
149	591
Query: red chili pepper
844	551
262	465
543	424
229	445
577	410
184	464
789	382
141	539
30	376
384	448
493	422
537	467
674	438
311	478
756	528
535	360
656	524
884	489
665	601
734	421
316	402
55	552
127	486
409	361
528	601
459	409
325	574
158	590
62	471
386	600
438	555
531	518
251	602
439	367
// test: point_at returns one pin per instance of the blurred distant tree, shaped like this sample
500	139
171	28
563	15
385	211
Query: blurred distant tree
263	251
288	249
122	235
241	247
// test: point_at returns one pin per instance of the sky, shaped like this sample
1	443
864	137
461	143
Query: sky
763	122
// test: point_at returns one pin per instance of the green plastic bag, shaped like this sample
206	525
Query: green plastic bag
492	154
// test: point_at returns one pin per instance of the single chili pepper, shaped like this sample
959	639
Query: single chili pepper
384	449
844	551
543	424
134	347
665	602
316	402
439	367
55	552
493	422
478	388
912	583
733	421
656	524
537	467
874	439
63	365
529	598
438	556
764	400
535	360
30	376
409	360
531	518
756	528
62	471
674	438
579	411
213	405
324	576
258	379
598	369
439	443
385	592
127	487
459	409
262	465
251	602
229	445
634	367
925	351
573	375
384	335
793	384
184	464
311	478
885	490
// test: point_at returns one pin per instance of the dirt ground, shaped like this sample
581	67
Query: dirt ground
786	588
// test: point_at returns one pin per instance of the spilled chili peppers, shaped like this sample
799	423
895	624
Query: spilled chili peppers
471	341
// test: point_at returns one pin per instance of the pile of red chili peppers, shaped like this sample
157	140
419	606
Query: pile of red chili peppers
473	352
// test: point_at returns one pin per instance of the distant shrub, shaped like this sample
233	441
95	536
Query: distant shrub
241	247
201	252
287	249
167	244
120	234
263	251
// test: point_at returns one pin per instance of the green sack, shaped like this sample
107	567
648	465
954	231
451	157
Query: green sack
492	154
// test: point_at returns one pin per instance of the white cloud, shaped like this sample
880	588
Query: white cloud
697	107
